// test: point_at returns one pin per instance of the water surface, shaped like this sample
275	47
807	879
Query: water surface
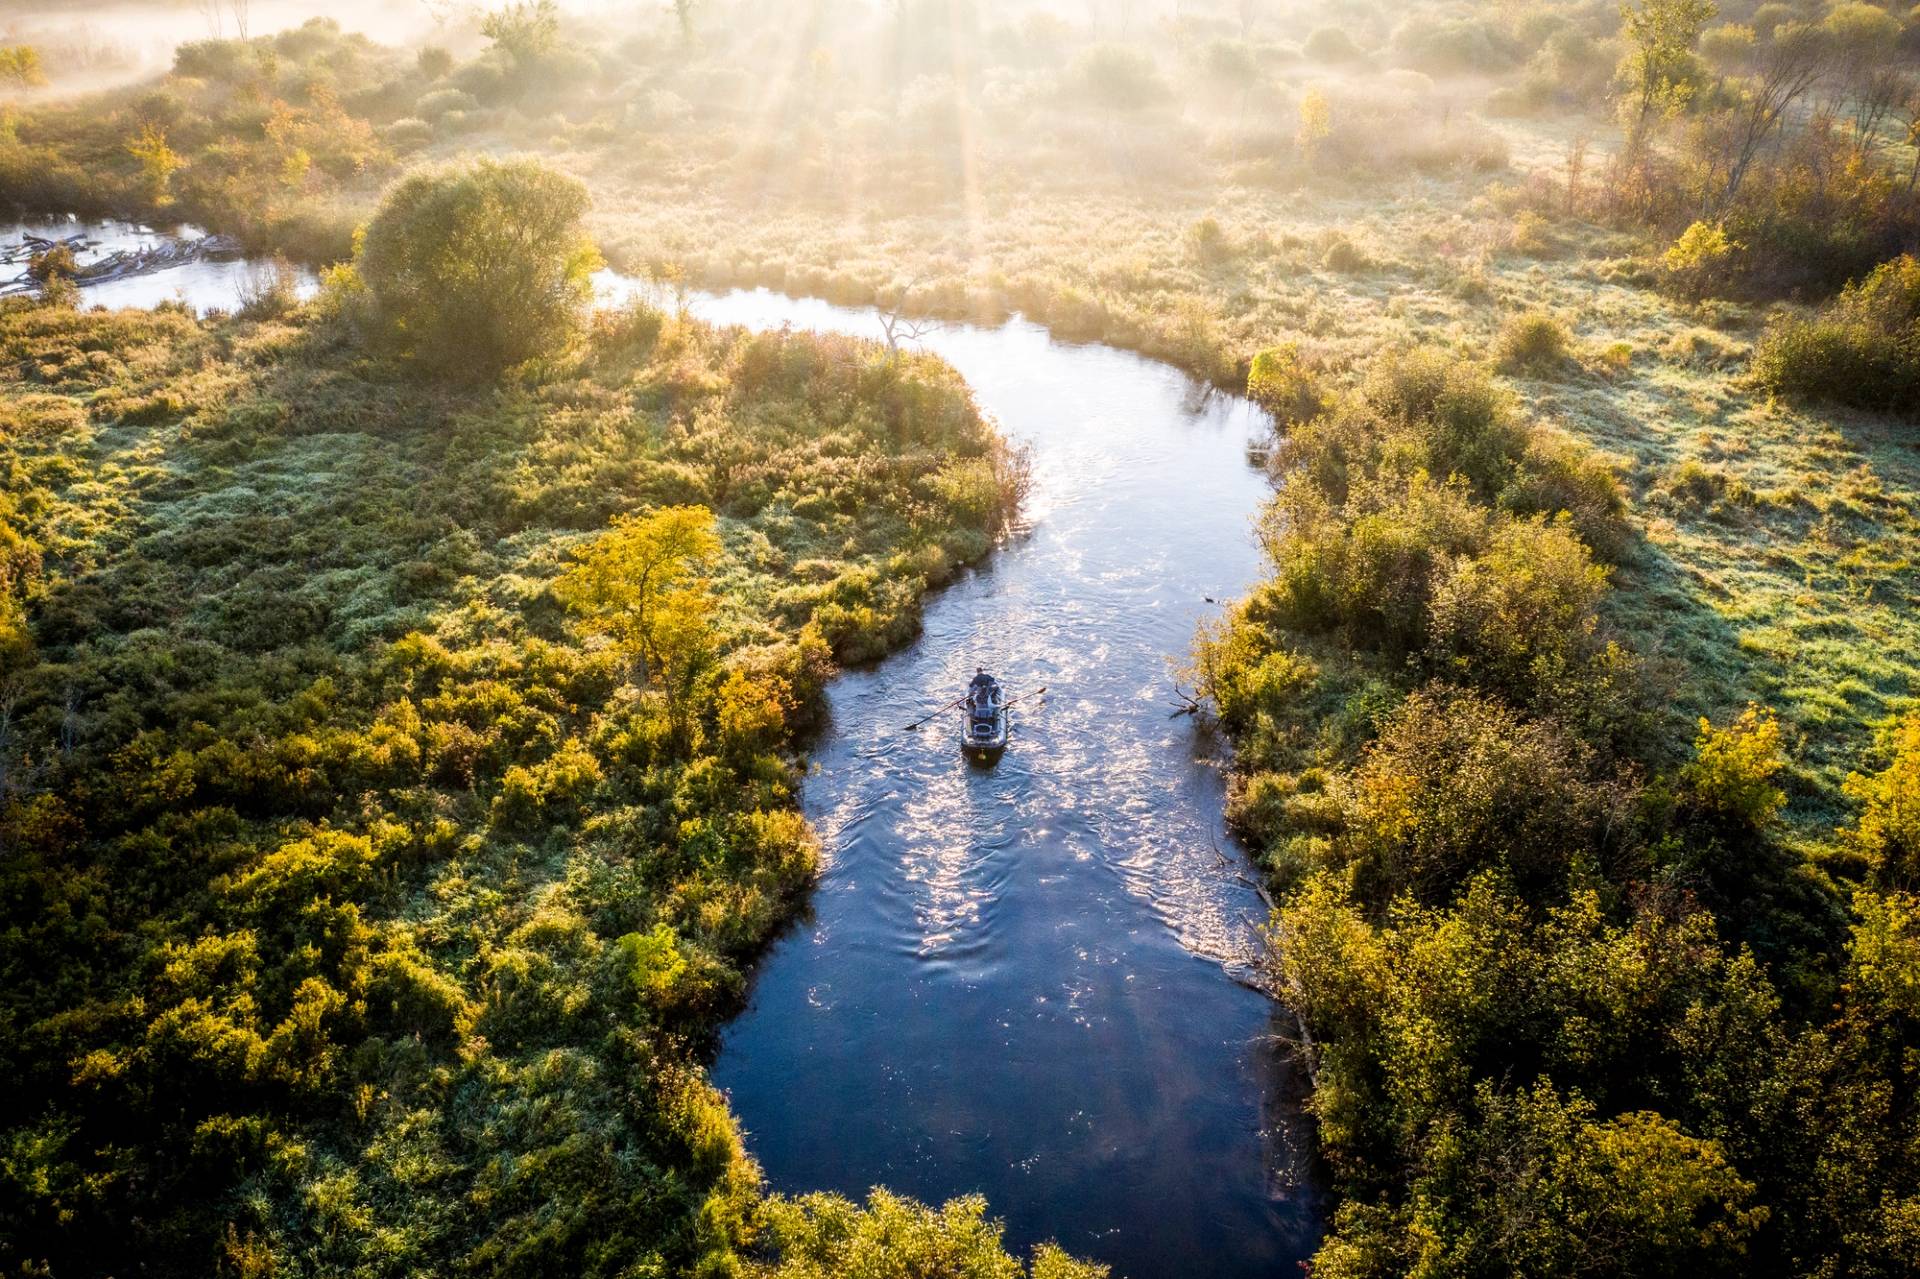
1018	980
210	284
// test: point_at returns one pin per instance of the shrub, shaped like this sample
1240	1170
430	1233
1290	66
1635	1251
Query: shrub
1699	260
821	1236
1280	384
1331	44
1728	47
1887	833
1118	79
434	62
1863	350
474	269
409	133
1532	342
1459	782
1344	257
1452	44
1731	777
432	106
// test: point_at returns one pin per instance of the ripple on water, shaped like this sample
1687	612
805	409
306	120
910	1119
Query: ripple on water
1024	994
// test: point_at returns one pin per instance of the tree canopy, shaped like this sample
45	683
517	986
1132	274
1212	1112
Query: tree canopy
477	268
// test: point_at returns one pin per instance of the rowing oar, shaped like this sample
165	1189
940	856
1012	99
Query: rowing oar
959	700
924	718
1024	696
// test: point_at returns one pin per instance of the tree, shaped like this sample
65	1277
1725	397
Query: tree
475	269
1659	69
683	13
640	584
20	66
1316	123
1791	64
1888	831
523	31
157	161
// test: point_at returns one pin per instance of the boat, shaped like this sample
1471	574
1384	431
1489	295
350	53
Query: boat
986	722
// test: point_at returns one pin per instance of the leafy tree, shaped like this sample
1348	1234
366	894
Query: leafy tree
1887	833
1281	384
1316	123
1457	783
474	269
20	65
1120	80
158	161
1731	778
524	31
640	585
1660	71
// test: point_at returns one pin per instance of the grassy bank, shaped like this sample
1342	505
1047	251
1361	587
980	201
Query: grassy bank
1565	974
367	910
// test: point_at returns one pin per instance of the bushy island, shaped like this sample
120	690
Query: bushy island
398	755
1572	1001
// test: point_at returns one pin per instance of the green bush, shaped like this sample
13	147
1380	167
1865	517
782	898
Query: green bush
1458	783
1281	384
474	269
1863	350
1534	342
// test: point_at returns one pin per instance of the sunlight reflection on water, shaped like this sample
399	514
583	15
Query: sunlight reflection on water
1027	990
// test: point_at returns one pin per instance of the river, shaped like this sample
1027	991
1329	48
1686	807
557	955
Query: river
1018	980
1024	980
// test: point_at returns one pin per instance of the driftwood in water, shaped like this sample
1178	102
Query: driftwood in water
118	265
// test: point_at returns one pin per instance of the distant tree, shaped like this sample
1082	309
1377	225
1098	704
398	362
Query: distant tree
683	12
1788	68
20	66
1660	68
475	269
1316	123
525	30
158	161
1120	80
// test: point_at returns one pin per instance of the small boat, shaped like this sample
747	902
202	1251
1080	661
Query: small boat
985	720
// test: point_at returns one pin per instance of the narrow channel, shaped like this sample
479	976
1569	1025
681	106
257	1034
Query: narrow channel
1020	980
1024	980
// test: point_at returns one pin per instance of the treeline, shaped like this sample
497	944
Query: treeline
1790	141
398	763
1572	1002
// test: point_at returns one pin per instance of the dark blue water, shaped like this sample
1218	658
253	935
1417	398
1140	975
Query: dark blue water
1020	980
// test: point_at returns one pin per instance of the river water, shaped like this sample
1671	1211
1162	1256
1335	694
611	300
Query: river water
1019	980
205	285
1023	980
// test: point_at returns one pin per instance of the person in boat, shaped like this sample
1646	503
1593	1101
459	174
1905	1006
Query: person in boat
984	691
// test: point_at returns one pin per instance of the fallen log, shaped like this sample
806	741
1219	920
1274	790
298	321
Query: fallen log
118	265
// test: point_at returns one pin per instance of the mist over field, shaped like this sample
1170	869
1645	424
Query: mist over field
503	505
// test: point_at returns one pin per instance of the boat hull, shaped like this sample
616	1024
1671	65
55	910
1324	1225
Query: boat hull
985	739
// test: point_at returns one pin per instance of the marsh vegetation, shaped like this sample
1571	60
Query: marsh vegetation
368	831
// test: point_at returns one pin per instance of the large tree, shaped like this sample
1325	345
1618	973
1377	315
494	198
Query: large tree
478	268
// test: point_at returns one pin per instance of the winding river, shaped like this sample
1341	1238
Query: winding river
1023	980
1018	980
